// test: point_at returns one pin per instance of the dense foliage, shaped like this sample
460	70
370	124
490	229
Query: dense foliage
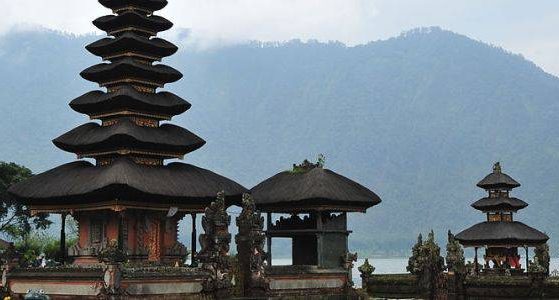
15	218
40	243
419	119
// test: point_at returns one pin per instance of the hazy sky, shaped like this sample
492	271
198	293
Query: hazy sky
529	27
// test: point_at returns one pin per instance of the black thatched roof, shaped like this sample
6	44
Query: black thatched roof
317	187
128	19
489	203
498	180
81	182
130	42
128	98
151	5
125	134
125	68
501	233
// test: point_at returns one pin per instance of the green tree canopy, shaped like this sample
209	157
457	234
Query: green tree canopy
15	218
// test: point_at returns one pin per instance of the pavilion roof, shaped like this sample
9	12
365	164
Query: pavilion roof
125	134
152	5
81	182
501	233
312	189
491	203
97	103
130	69
132	43
498	180
131	19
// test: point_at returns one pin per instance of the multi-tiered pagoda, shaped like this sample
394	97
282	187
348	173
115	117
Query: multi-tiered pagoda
500	235
129	194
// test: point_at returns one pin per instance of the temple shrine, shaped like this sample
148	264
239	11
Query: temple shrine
129	194
317	201
501	235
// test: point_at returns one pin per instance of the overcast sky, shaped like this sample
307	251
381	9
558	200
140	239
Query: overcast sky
528	27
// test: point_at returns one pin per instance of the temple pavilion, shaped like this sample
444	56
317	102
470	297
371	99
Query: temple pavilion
501	235
317	201
121	188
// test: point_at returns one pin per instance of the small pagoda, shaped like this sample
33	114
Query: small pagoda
129	195
500	235
317	200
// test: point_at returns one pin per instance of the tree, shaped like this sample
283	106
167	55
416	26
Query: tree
455	255
15	218
413	262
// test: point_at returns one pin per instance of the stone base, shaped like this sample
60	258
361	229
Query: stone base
299	281
89	283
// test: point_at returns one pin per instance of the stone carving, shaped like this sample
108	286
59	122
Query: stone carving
366	269
178	249
214	242
426	262
250	248
455	261
112	254
113	257
542	256
153	238
347	263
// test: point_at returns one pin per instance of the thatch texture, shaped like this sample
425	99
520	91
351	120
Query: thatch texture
81	182
317	187
501	233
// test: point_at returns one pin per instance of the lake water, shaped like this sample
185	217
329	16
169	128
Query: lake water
391	266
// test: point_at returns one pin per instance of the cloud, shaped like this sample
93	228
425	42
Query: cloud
273	20
517	25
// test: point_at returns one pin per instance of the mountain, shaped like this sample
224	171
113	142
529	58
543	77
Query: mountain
418	118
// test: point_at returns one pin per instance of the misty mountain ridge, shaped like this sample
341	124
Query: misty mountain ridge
418	118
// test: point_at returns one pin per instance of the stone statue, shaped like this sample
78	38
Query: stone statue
250	248
214	242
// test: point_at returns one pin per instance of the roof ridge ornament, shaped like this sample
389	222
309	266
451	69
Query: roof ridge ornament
497	168
306	165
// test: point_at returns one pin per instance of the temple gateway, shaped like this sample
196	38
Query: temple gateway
501	235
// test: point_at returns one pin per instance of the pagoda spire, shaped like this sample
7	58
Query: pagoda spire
131	109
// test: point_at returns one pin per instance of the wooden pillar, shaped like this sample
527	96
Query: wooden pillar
120	229
269	237
319	239
526	248
476	270
194	236
63	237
